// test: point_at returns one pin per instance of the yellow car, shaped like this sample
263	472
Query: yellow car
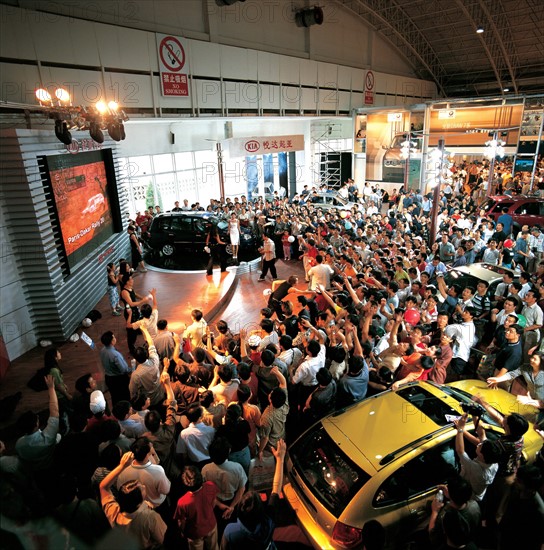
383	458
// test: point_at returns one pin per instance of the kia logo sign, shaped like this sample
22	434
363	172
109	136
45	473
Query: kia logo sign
78	146
252	146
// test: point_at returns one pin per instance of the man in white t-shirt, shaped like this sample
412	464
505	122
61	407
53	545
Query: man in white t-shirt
320	274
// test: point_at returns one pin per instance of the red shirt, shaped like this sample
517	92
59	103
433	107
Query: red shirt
195	511
94	423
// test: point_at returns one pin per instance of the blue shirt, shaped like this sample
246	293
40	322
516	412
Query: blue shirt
521	246
506	221
352	388
113	362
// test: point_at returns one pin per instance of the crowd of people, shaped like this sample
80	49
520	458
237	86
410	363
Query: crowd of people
170	459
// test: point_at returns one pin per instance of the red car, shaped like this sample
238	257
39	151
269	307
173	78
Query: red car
525	210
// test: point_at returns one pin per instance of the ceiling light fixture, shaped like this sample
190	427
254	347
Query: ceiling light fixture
506	89
479	29
62	132
95	132
43	96
97	118
62	95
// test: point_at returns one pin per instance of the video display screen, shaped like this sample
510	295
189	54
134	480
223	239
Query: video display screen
523	165
85	198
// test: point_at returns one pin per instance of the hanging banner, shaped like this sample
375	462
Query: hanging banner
242	147
465	127
369	88
172	60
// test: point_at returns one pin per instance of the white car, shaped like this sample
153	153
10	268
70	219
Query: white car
95	203
328	201
471	275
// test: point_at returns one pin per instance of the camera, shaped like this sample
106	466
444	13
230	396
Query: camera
473	409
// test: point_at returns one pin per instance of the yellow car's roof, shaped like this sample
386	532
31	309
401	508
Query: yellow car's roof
380	425
388	423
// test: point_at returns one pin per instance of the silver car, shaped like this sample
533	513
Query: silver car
328	201
471	275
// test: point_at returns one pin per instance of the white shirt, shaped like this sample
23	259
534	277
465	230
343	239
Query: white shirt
156	483
320	274
269	250
524	289
464	336
194	332
150	324
305	374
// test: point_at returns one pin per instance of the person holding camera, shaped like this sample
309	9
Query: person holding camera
434	268
481	470
510	451
464	337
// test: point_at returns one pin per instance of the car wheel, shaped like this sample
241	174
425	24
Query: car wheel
228	249
167	250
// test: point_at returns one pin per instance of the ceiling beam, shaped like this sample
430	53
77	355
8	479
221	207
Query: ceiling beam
405	34
498	46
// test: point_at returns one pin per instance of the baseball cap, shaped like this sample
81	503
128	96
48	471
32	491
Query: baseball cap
254	340
98	402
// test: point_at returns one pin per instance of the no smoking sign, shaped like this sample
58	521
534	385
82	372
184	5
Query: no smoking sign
172	54
171	62
369	88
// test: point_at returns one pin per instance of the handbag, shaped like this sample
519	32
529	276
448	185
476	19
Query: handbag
37	382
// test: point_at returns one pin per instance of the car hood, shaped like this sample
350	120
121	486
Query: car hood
481	271
504	402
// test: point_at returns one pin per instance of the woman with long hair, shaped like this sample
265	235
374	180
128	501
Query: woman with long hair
234	234
113	293
251	414
533	375
132	302
236	430
136	250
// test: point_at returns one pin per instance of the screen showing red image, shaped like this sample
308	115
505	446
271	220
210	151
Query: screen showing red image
82	189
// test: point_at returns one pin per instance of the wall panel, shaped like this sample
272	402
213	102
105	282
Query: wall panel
54	305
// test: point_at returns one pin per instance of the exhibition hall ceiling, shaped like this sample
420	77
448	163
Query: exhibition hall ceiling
441	41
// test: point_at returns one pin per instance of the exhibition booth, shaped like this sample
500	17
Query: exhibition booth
393	147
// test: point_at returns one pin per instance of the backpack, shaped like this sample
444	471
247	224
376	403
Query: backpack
37	382
296	359
94	315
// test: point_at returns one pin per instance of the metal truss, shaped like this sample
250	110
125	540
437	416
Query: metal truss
403	33
396	25
497	40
